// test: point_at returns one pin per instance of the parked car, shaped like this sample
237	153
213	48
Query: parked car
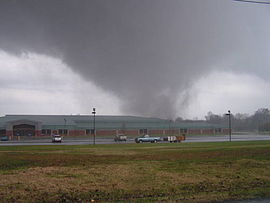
4	138
120	137
56	138
147	138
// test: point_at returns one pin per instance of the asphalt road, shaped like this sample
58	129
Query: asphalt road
222	138
83	141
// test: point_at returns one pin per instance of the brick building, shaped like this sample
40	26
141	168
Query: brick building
81	125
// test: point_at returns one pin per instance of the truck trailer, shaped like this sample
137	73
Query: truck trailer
175	138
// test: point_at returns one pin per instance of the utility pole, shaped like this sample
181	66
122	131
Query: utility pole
65	130
94	124
230	125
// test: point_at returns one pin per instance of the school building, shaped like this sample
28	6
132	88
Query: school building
81	125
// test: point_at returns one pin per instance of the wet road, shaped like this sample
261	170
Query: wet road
222	138
83	141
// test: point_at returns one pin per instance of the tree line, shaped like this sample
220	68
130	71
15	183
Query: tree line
259	121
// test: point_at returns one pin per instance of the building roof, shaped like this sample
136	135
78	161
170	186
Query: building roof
104	122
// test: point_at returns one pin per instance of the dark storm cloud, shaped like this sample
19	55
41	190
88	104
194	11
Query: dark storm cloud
146	52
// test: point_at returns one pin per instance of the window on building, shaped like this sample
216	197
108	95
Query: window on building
63	131
218	130
46	131
2	132
183	130
87	131
143	131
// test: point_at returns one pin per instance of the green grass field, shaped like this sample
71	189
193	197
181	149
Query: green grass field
186	172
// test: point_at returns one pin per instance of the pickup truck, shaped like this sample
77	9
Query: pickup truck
147	138
4	138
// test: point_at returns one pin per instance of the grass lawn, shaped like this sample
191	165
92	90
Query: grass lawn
186	172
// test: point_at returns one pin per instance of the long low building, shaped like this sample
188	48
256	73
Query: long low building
80	125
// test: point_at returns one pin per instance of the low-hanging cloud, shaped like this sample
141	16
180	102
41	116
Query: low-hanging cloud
145	52
38	84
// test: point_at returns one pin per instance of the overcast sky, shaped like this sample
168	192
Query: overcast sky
149	58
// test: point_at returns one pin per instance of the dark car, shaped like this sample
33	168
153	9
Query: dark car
4	138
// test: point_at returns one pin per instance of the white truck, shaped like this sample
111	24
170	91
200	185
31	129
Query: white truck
120	137
175	138
56	138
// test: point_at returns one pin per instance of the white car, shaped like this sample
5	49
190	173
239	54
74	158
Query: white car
56	138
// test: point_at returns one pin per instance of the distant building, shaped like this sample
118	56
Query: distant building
80	125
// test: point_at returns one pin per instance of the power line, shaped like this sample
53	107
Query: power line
257	2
